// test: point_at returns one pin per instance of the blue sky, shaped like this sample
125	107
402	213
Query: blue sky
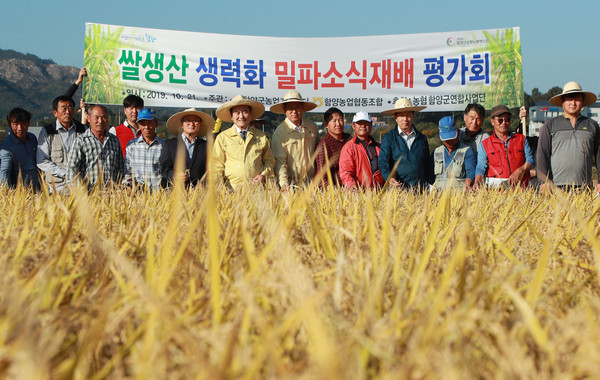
559	39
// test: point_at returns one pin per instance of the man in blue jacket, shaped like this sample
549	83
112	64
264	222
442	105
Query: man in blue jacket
17	152
407	146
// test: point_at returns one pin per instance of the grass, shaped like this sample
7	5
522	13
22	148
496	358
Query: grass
102	50
506	70
258	284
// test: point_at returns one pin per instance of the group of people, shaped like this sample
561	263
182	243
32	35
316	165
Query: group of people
133	154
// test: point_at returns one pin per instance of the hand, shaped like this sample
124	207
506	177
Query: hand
284	188
597	189
82	73
81	106
394	183
532	173
516	176
547	187
468	183
259	179
184	176
522	112
478	182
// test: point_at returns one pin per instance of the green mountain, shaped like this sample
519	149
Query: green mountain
32	83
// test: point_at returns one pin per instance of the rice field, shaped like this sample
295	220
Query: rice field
213	284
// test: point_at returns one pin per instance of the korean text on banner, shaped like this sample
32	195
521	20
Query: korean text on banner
443	71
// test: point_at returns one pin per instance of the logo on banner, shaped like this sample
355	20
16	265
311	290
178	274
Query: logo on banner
463	42
145	37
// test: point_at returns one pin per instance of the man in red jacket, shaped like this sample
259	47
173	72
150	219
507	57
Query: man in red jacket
359	165
504	156
129	130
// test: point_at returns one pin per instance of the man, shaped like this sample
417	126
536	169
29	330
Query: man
187	125
95	156
129	130
569	143
330	146
472	134
17	152
242	154
406	145
142	155
359	165
294	141
55	142
504	155
453	162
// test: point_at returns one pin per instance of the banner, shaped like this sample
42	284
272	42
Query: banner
443	71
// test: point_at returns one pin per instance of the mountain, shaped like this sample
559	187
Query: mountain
32	83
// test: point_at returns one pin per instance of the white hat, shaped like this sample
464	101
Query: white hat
256	108
403	105
573	88
292	96
175	125
362	116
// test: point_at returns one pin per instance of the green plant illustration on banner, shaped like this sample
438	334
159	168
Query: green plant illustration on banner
102	48
506	69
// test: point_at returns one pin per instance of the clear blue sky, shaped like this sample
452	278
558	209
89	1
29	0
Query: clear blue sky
559	39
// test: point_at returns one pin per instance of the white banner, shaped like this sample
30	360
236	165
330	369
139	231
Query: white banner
443	71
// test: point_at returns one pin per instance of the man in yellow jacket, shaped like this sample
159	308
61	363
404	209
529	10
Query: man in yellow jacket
242	153
294	141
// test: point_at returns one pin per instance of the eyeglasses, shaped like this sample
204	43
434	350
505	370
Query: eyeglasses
501	120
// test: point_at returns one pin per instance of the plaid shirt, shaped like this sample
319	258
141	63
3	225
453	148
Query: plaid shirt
142	162
89	157
333	147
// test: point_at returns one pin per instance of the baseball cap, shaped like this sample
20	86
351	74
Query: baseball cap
448	130
361	116
146	114
499	110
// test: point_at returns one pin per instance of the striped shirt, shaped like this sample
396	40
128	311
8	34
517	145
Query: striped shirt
142	162
89	157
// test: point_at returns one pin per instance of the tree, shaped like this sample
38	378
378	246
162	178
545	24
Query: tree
551	92
529	100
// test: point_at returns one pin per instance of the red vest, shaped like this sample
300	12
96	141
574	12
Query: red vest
124	134
501	161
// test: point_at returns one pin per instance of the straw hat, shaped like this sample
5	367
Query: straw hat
292	96
256	109
403	105
174	124
573	88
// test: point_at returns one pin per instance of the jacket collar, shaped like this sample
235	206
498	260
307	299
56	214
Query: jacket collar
356	140
291	126
512	134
